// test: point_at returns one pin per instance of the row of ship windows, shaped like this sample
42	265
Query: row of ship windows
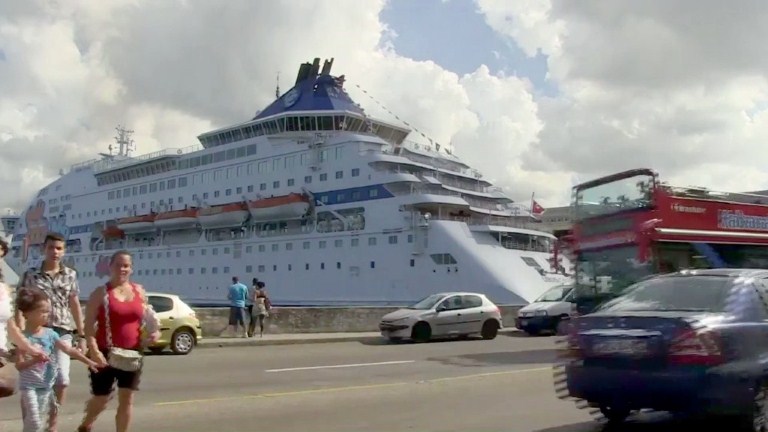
286	124
274	247
226	270
205	179
440	259
194	162
172	184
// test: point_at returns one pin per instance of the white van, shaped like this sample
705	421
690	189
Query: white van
546	312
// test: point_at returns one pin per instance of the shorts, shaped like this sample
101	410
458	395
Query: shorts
63	361
258	318
236	315
103	381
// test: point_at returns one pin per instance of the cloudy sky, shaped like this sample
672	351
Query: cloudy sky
536	94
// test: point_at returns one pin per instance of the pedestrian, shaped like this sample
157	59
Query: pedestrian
249	307
237	295
251	298
263	306
114	317
59	283
9	330
37	378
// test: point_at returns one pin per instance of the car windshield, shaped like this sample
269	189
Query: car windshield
555	294
427	303
674	293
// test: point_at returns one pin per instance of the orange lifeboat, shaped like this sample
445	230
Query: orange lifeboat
112	232
222	216
177	219
291	206
137	223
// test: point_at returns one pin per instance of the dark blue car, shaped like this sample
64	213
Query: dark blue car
693	342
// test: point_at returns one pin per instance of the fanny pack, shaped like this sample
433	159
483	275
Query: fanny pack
125	359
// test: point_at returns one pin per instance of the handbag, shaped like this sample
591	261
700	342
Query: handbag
8	378
120	358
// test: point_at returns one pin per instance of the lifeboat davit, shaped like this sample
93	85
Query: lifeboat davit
137	223
291	206
177	219
222	216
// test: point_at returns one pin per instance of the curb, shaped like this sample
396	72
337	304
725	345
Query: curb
258	342
242	342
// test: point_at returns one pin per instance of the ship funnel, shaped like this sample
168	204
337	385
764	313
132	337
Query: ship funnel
315	68
327	64
303	72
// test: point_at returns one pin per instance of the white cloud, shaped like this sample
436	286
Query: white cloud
172	70
679	86
675	86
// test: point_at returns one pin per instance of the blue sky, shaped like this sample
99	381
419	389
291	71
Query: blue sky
455	36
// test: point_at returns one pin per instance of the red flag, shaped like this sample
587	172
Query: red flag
536	209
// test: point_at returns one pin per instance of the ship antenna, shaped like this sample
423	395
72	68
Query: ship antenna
125	141
277	89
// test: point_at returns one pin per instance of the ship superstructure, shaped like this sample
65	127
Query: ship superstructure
324	203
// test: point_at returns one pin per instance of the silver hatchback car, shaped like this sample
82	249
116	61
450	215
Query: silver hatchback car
444	315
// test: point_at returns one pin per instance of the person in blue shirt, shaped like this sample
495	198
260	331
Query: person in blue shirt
237	296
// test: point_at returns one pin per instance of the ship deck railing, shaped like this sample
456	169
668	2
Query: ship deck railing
101	165
469	172
476	220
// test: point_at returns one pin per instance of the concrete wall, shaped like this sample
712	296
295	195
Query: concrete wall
317	319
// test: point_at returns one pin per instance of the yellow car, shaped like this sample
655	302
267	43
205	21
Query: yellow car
180	329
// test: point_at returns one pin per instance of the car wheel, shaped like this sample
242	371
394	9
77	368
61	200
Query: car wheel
182	342
490	330
421	332
614	414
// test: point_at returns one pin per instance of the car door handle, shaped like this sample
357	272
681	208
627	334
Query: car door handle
458	314
170	318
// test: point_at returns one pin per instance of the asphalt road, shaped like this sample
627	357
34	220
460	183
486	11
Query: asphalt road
500	385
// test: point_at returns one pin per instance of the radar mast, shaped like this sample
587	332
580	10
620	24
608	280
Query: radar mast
124	141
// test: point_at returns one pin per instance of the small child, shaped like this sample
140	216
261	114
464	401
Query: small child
36	378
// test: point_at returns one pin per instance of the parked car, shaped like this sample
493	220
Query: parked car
691	342
447	314
546	312
180	329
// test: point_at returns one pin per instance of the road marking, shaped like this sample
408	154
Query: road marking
340	366
349	388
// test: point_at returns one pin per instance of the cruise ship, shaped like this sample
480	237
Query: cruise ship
325	204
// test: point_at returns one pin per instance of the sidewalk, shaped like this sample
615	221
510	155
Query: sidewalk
299	338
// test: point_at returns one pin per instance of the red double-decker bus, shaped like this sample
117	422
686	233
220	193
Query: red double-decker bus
629	225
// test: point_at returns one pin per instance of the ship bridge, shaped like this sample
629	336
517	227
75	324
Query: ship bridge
316	103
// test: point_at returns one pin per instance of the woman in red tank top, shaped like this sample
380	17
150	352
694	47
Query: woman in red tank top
126	305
